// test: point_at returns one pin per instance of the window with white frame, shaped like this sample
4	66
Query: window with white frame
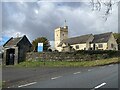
77	46
100	45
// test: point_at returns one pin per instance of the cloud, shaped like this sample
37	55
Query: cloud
0	17
40	19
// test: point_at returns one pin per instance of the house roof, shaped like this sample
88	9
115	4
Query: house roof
15	41
76	40
101	38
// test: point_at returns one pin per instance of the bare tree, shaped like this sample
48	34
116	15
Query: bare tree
106	4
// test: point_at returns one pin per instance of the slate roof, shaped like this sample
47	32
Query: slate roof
101	38
12	41
98	38
76	40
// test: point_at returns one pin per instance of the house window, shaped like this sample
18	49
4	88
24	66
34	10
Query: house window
100	45
63	34
77	46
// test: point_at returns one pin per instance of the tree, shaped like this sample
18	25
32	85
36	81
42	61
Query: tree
117	37
43	40
106	4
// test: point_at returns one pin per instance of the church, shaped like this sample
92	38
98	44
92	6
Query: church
103	41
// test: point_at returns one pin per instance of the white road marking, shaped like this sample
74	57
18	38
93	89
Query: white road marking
76	72
27	84
55	77
100	85
89	69
111	65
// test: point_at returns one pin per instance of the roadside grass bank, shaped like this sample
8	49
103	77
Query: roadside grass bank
68	63
2	84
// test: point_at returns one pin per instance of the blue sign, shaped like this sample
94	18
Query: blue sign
40	47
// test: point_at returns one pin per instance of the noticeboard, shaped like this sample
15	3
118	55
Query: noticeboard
40	47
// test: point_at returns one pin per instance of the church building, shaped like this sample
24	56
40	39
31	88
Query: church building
104	41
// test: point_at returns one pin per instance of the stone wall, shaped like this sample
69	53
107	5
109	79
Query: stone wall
70	56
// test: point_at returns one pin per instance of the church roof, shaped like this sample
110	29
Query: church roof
101	38
98	38
76	40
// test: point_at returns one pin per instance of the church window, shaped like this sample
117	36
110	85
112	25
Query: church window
100	45
77	46
112	45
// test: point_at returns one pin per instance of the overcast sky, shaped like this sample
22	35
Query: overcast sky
36	19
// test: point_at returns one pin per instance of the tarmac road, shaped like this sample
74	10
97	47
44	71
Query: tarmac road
92	77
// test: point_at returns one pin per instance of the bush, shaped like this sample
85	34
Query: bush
49	50
91	52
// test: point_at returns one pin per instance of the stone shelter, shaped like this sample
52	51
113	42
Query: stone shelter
15	50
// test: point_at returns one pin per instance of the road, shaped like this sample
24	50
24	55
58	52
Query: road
92	77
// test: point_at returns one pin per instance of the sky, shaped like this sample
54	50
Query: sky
37	19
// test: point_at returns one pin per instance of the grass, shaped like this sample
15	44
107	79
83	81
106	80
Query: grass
2	84
68	63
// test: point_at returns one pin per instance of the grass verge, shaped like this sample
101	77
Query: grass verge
2	84
68	63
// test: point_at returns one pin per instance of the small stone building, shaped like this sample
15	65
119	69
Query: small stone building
15	50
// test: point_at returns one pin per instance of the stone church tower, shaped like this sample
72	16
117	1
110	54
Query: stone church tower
60	34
